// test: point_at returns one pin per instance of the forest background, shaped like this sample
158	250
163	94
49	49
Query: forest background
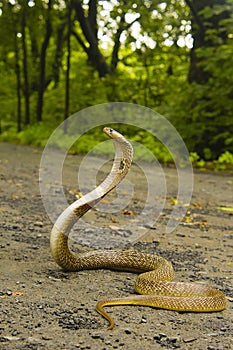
176	57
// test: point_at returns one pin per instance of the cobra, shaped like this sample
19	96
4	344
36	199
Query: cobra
155	282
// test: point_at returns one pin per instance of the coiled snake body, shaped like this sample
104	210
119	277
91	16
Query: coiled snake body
154	282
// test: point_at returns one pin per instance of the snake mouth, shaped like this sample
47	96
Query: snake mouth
108	131
113	134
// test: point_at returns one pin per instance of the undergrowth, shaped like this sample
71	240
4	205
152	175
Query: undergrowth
146	146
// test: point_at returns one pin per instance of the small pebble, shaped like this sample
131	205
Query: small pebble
10	338
189	340
162	335
173	339
97	335
157	337
38	223
45	337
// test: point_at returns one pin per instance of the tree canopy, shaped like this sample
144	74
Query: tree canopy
58	57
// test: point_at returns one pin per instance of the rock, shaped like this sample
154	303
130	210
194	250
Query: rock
173	339
38	223
10	338
189	339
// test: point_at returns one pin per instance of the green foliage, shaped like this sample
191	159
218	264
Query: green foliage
152	70
225	161
226	157
196	161
207	108
36	134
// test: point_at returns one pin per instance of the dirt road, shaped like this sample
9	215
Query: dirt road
46	308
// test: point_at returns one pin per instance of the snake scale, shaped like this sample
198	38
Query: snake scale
155	281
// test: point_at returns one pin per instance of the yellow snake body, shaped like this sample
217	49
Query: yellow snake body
155	281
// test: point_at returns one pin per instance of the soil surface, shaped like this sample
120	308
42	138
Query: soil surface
44	307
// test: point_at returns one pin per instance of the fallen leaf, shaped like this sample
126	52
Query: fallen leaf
78	194
173	201
105	201
230	209
14	294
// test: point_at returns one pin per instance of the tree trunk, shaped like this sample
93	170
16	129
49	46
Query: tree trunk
25	65
121	28
200	26
67	92
17	68
42	84
89	29
18	83
59	53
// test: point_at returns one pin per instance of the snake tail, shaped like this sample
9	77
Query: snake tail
185	304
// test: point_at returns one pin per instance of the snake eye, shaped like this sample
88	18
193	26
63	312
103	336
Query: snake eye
111	130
